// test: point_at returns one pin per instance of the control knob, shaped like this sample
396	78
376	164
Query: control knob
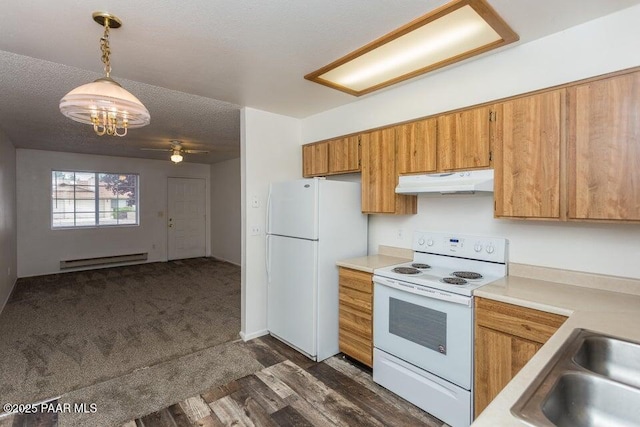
421	241
478	247
430	242
490	249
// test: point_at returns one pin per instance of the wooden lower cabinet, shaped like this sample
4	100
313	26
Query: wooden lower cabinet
356	315
506	338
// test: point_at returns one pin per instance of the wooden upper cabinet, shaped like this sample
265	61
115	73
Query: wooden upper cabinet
379	177
527	156
604	149
315	159
416	146
464	139
344	155
340	155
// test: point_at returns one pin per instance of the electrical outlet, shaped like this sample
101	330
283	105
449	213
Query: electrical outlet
255	230
400	233
255	202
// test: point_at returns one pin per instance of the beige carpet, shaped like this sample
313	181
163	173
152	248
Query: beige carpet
64	332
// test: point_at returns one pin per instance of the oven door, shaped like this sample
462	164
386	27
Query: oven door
428	328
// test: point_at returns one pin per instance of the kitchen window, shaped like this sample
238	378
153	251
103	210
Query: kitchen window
93	199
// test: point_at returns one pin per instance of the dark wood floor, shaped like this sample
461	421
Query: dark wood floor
293	391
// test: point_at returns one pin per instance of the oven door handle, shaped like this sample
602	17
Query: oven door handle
423	291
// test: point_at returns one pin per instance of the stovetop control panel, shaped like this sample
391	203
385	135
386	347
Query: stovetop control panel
461	245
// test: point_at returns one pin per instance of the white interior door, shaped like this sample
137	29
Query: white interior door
187	218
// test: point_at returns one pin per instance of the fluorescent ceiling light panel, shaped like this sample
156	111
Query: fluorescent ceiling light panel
456	31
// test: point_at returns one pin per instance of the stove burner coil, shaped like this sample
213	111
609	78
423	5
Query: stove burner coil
406	270
420	265
454	281
467	275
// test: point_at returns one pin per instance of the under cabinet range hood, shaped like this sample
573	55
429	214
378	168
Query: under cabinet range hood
467	182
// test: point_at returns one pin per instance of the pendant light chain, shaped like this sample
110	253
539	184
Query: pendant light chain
107	122
106	51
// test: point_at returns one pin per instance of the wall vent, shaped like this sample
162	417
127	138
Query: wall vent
90	262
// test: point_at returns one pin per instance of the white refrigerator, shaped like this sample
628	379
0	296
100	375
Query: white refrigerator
311	223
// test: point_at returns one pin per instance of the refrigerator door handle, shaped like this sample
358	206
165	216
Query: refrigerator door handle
266	225
267	258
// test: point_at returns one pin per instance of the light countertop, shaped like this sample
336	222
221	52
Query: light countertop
603	311
371	262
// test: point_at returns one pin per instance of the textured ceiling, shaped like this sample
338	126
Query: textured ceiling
29	115
193	64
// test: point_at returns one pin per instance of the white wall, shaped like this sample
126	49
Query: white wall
598	248
8	242
596	47
40	248
226	216
270	152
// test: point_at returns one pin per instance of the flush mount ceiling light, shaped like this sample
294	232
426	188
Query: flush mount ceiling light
176	157
456	31
105	104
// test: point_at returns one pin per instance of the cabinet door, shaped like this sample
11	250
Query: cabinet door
416	146
527	156
604	149
464	140
315	159
379	178
356	315
498	358
344	155
506	338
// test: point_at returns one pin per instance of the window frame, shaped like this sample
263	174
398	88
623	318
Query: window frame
96	200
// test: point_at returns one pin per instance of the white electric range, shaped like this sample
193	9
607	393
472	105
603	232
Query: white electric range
423	320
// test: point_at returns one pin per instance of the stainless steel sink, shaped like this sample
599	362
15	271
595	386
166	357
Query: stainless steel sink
588	400
612	358
592	380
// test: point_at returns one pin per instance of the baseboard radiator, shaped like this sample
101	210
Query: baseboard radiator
90	262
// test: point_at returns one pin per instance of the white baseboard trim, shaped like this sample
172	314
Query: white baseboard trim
249	336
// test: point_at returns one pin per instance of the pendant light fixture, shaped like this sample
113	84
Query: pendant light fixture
106	105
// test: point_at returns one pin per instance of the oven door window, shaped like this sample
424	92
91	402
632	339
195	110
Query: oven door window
408	321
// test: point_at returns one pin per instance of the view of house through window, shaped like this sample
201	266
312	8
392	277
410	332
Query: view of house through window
92	199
